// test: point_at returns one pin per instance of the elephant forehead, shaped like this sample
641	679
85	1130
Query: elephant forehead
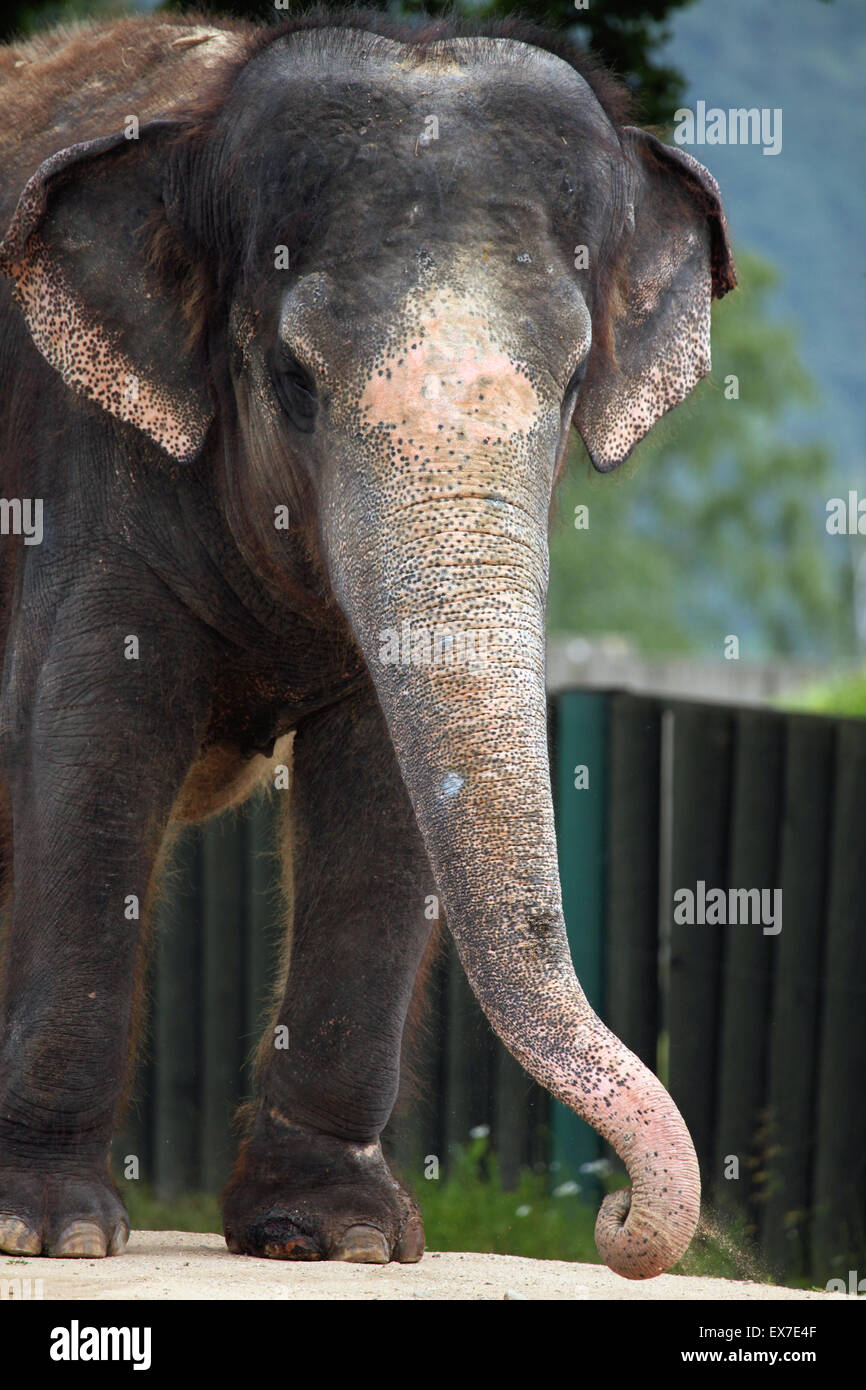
446	369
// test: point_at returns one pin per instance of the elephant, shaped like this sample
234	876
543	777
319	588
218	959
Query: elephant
294	323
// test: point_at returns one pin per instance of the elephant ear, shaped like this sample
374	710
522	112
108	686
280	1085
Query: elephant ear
674	258
95	306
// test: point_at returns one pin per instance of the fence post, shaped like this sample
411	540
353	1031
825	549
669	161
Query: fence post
749	957
839	1220
794	1016
265	926
580	793
699	852
633	849
469	1059
177	1027
224	902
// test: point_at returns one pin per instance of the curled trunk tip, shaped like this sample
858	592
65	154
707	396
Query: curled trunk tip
631	1238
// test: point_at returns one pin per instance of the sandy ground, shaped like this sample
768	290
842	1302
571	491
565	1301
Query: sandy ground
177	1265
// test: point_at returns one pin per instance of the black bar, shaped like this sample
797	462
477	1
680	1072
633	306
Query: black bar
839	1215
177	1027
794	1013
701	799
632	888
224	896
749	954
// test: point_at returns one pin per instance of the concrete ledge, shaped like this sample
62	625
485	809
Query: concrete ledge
179	1265
608	663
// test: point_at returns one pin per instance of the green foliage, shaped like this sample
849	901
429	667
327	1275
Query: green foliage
19	18
723	1248
843	696
194	1211
716	524
468	1210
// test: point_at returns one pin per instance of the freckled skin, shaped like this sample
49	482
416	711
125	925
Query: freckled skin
94	365
289	371
456	379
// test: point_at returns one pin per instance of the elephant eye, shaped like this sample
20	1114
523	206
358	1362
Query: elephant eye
295	390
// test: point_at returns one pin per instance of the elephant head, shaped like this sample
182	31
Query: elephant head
376	282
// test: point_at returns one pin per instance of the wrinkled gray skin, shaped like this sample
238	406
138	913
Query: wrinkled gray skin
402	389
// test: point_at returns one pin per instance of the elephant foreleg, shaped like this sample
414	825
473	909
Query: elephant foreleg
311	1181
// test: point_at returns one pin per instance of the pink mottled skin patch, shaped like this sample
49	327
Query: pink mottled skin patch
450	370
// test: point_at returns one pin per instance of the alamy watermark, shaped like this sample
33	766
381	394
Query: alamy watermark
19	1290
417	645
22	516
77	1343
855	1285
702	906
846	516
739	125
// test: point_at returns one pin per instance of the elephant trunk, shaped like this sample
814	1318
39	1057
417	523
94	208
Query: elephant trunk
440	566
466	710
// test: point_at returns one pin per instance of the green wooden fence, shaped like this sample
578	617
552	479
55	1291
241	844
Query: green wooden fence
760	1036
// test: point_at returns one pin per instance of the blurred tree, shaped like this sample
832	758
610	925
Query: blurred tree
21	17
716	524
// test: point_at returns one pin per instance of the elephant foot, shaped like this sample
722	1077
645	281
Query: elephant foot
70	1216
308	1196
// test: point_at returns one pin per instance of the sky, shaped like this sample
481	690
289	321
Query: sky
805	208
